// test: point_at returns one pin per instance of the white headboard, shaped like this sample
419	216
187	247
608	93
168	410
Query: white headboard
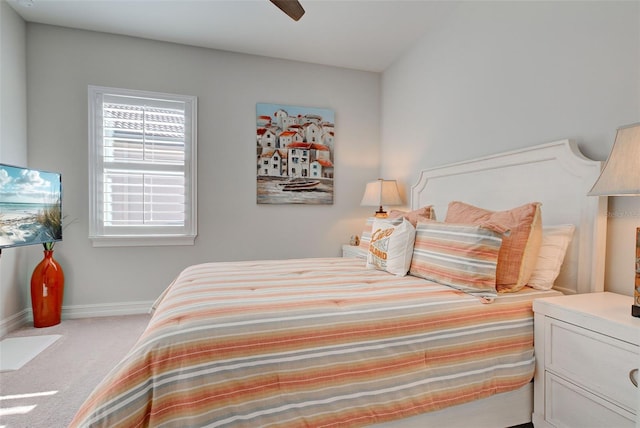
555	174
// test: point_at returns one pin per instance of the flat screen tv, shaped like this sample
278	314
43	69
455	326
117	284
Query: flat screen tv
30	206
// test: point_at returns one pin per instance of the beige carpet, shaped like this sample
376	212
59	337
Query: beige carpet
48	390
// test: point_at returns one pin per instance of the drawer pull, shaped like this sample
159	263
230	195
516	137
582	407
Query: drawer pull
632	376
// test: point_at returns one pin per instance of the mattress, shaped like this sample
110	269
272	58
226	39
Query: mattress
312	343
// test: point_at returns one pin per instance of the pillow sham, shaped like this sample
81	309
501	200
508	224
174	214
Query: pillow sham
391	246
461	256
423	214
520	248
555	242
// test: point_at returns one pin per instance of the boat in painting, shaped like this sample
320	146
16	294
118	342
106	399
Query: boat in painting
300	185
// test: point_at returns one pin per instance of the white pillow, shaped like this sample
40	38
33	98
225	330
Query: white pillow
555	241
391	246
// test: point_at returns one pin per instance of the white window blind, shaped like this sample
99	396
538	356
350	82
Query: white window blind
142	167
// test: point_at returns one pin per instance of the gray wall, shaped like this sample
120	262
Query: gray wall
13	150
62	62
497	76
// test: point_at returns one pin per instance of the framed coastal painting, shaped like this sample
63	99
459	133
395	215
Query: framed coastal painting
30	206
295	154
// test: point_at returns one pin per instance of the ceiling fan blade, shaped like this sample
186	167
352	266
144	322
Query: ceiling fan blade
293	8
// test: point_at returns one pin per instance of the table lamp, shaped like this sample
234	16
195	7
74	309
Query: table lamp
621	177
381	192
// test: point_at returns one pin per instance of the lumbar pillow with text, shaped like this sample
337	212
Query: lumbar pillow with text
425	213
391	246
365	237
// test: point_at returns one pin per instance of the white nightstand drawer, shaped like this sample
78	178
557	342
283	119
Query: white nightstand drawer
593	361
563	399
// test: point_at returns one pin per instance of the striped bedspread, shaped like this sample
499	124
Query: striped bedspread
312	343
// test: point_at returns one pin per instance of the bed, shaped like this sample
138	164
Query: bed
327	342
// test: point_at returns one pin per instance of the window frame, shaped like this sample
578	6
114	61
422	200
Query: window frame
104	236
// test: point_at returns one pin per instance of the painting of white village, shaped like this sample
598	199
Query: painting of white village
295	147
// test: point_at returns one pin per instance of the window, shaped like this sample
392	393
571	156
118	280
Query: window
142	168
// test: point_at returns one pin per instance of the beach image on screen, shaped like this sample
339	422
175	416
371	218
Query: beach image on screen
30	206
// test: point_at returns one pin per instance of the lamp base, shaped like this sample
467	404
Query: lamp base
381	213
635	311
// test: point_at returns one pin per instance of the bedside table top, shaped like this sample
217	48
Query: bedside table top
609	313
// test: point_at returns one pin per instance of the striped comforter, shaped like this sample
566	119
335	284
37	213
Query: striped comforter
312	343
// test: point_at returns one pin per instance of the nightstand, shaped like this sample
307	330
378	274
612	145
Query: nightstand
587	350
353	251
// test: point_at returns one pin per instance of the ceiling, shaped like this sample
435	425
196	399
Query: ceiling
359	34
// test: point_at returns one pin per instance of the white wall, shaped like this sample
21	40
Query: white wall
13	150
62	62
496	76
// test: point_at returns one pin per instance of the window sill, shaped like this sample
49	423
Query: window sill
141	241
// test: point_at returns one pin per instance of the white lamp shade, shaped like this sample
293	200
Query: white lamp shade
621	173
381	192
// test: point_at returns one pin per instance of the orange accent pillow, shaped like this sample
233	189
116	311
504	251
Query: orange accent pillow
519	250
421	214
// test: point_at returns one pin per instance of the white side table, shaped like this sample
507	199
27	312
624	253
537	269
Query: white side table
587	349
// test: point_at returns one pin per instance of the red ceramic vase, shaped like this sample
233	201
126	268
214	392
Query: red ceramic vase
47	288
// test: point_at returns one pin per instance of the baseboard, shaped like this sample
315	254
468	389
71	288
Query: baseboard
105	309
25	316
14	322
